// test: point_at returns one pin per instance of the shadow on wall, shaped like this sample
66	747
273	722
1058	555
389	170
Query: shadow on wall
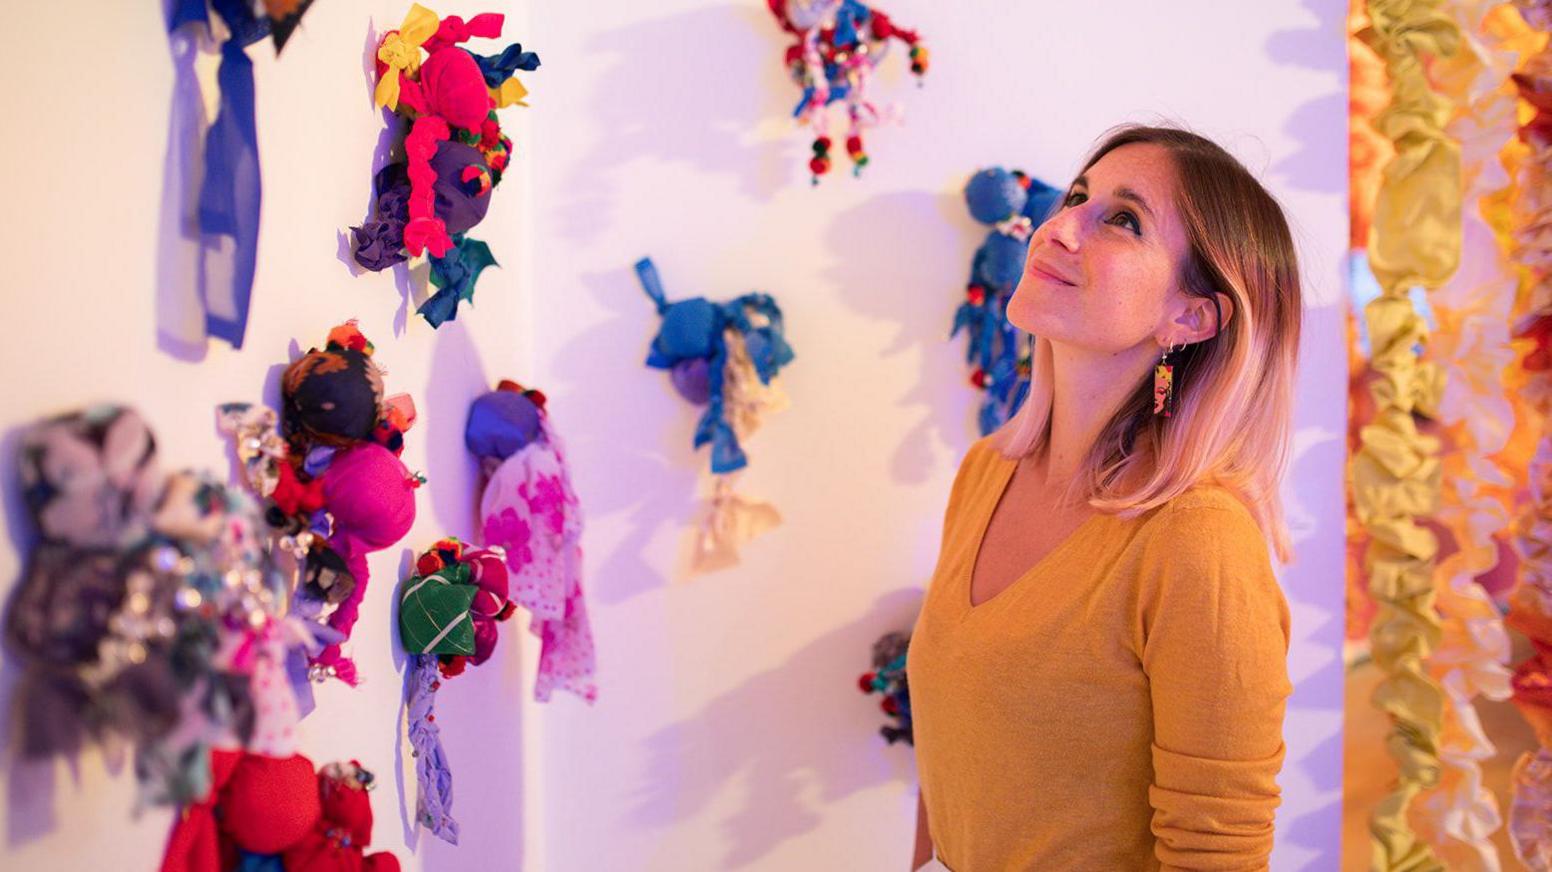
716	75
456	379
800	736
865	246
1319	130
1320	125
639	424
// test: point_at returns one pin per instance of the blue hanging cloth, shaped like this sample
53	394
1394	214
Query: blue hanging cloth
230	193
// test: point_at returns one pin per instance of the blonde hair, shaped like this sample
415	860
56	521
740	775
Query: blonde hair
1233	393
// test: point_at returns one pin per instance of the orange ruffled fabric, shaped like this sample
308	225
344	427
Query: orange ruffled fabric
1368	150
1531	603
1472	347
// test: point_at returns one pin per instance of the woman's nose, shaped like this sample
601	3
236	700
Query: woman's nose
1063	228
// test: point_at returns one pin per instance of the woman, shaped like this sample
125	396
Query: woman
1098	674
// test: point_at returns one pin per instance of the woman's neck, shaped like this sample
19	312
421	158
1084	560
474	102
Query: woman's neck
1087	388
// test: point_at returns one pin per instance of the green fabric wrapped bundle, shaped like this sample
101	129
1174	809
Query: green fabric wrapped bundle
434	612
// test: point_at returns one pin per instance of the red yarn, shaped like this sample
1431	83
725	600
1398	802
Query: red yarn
424	230
293	497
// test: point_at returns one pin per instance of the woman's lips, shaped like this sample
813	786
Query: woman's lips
1049	274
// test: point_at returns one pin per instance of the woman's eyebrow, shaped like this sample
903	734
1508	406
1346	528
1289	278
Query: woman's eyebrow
1126	193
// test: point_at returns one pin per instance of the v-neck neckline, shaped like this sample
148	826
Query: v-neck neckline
967	595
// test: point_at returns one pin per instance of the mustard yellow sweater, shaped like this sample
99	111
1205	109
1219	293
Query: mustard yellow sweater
1119	707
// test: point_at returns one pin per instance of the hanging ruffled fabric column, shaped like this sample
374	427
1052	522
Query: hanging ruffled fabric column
1530	814
1472	347
1414	241
1368	151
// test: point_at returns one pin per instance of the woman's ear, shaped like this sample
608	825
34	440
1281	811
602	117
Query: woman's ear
1199	320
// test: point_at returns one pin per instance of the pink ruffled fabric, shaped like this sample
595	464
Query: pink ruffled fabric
531	512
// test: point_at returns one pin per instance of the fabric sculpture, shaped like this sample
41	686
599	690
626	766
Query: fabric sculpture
722	356
230	190
888	678
837	46
266	813
148	611
529	512
1013	204
332	480
455	152
448	613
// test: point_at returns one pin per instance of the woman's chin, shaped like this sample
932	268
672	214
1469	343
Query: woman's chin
1028	313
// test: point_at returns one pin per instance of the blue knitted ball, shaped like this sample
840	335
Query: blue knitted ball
993	194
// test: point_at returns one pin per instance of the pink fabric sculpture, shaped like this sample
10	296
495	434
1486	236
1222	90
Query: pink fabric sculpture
529	510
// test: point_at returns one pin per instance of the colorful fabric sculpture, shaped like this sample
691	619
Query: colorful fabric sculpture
888	678
530	513
448	613
455	152
723	356
149	609
332	480
838	45
230	191
276	813
1014	204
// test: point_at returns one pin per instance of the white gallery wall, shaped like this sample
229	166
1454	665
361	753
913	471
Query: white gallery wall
728	733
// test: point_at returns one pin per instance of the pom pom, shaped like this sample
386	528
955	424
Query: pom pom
270	803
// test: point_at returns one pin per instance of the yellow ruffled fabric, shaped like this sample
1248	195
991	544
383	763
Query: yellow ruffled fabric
1473	349
1414	240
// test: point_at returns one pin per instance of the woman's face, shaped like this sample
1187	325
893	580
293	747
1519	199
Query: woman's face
1103	270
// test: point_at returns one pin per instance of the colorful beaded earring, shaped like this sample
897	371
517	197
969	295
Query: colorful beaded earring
1164	383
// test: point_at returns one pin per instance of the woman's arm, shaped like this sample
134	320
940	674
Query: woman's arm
1214	646
923	852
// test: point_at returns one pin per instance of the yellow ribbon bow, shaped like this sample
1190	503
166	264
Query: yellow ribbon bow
511	93
400	50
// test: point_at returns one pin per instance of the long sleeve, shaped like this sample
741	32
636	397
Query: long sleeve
1213	631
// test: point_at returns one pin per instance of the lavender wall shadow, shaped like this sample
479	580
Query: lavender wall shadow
716	75
782	732
634	457
1314	496
919	293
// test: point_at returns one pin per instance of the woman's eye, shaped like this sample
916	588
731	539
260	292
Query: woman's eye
1074	198
1127	220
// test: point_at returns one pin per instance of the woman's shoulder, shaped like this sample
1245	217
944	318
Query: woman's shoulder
1206	521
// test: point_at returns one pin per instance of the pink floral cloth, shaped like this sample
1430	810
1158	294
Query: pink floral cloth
530	510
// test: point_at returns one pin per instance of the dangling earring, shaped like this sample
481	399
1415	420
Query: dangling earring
1164	383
